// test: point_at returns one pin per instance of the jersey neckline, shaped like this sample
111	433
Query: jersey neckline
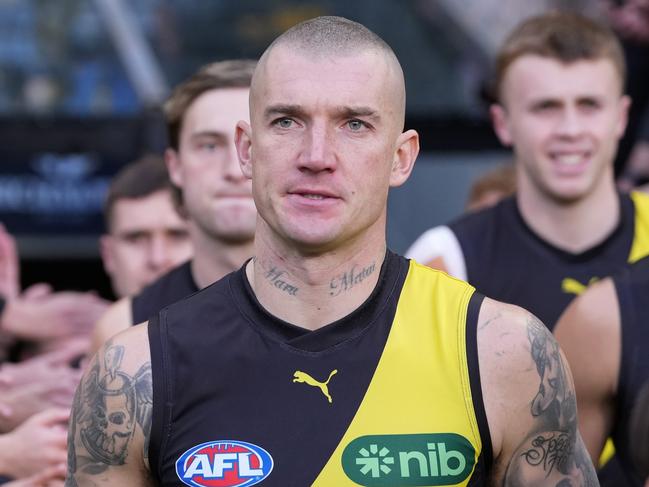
625	214
392	275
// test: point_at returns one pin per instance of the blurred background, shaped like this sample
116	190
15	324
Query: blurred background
81	82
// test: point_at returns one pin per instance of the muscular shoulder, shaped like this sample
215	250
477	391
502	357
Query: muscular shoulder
589	329
115	319
111	417
529	400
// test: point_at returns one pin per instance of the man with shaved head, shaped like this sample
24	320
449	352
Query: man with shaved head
326	359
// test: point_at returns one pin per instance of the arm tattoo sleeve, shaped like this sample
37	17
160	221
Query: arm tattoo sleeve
108	406
553	453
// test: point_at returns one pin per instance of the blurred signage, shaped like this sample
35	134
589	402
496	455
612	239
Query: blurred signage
54	193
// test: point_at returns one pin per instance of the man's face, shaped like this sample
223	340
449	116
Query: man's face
216	195
564	122
147	238
322	149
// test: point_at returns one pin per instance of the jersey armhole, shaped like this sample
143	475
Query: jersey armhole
473	366
160	417
135	309
626	315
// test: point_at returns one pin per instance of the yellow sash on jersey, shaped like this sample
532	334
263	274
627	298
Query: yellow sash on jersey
640	246
416	422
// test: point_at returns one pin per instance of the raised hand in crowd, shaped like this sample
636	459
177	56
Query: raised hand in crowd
39	314
49	477
35	446
36	384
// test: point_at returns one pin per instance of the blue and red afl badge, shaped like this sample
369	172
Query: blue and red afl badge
224	463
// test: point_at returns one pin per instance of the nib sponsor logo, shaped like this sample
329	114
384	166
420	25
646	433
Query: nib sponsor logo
224	463
402	460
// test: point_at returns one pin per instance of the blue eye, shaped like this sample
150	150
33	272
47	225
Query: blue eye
284	123
355	125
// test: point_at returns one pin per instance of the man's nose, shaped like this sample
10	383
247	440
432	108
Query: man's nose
318	153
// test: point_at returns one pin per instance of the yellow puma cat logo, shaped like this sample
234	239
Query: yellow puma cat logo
299	376
573	286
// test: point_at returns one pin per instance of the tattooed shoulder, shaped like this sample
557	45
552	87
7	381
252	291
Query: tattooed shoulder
112	409
551	450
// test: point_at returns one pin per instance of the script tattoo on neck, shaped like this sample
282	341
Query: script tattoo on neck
555	446
277	278
347	280
107	407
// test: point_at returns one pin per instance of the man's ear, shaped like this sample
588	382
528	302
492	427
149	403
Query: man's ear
623	117
106	251
500	121
243	142
404	157
173	167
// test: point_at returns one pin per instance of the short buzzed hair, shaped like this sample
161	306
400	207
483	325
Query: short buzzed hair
138	179
564	36
331	35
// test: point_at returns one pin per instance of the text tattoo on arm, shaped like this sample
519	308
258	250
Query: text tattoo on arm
554	446
108	406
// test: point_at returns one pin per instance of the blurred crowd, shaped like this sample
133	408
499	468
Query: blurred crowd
153	225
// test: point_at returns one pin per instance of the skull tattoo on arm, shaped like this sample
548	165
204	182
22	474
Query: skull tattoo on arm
109	407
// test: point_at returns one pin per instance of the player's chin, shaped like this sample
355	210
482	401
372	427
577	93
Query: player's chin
314	239
569	194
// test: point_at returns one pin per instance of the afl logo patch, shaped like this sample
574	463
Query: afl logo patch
224	463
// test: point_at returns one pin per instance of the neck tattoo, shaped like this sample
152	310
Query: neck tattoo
347	280
276	278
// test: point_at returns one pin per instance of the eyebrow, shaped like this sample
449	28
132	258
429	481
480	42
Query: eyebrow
341	111
550	100
208	133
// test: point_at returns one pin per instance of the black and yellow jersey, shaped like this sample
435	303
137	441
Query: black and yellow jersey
632	289
387	396
168	288
507	261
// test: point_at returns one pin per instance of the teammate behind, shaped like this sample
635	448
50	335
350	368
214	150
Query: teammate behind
559	81
327	359
209	188
604	334
145	236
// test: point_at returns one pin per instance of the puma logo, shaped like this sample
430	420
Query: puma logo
299	376
573	286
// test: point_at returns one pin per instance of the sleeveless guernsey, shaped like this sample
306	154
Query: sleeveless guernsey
387	396
507	261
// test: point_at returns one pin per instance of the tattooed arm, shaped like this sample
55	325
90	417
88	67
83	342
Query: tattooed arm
589	332
111	416
530	402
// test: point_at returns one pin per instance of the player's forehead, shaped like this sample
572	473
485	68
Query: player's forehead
289	75
151	212
216	110
533	76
